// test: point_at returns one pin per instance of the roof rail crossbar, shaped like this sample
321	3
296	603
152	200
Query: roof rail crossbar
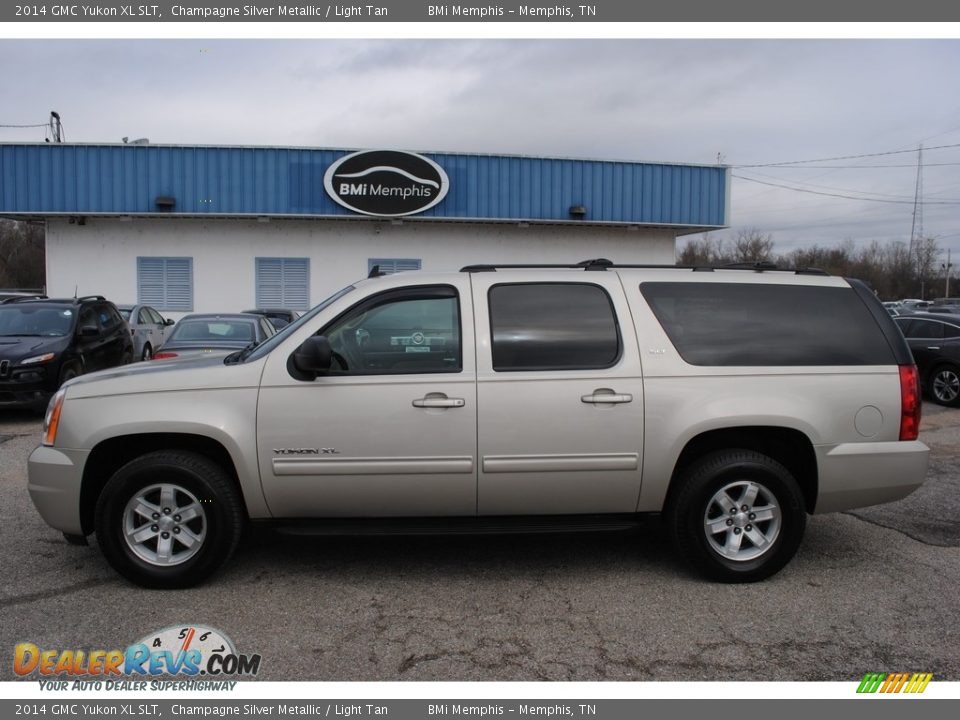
604	264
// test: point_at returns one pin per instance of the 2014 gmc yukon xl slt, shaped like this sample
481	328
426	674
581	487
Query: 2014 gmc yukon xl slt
731	402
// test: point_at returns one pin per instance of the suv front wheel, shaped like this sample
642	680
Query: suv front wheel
168	519
738	516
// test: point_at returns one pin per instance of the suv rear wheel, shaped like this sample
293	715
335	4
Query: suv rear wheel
168	519
945	385
738	516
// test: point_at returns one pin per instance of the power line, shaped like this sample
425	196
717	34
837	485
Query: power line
849	167
24	126
848	197
846	157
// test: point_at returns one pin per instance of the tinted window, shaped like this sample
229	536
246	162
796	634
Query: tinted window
732	324
951	331
154	316
415	330
925	329
143	317
552	326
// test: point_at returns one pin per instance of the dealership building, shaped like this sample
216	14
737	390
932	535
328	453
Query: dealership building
217	228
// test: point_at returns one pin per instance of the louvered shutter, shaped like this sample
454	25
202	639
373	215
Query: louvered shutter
165	282
283	283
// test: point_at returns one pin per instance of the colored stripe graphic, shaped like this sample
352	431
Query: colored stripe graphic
894	682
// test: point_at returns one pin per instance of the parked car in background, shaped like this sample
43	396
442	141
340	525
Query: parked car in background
11	295
209	335
45	342
148	328
278	317
934	340
914	305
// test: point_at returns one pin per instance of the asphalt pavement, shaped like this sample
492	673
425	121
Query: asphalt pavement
874	590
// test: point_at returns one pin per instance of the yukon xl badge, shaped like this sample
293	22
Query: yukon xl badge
386	183
306	451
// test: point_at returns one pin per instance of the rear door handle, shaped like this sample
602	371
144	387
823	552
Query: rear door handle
933	348
606	397
439	402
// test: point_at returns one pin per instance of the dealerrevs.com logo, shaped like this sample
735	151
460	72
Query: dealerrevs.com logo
202	655
386	183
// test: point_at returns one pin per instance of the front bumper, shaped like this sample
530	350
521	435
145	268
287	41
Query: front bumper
25	387
54	480
856	475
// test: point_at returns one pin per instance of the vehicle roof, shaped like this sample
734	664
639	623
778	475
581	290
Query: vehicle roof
221	316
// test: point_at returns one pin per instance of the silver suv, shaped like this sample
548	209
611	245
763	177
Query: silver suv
732	402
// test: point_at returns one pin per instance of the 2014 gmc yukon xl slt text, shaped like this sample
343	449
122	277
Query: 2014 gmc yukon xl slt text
731	402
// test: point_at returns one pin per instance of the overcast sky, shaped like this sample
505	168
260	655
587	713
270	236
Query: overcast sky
753	102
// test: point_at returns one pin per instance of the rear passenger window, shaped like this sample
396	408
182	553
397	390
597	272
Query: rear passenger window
552	326
925	329
738	324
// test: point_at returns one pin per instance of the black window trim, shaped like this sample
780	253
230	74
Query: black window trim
410	292
943	323
613	311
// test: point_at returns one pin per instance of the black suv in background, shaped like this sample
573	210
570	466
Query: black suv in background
934	340
44	342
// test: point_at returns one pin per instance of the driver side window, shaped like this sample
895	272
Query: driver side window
414	330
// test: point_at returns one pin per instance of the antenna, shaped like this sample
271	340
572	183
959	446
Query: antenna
56	127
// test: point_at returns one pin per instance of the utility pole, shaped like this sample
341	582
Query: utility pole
916	226
946	292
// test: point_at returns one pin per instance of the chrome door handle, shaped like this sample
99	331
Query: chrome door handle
608	397
933	348
439	402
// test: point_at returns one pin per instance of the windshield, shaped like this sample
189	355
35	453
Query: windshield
21	320
213	329
265	347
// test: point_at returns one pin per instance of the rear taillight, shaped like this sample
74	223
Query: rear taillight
910	404
165	355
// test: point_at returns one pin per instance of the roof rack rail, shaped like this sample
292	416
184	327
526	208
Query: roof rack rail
11	300
89	297
604	264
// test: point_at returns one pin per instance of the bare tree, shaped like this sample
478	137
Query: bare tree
751	246
22	255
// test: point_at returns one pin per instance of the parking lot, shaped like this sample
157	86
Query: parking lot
874	590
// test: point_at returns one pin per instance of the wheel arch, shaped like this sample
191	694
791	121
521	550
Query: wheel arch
111	454
790	447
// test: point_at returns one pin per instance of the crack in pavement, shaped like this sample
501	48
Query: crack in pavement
47	594
877	523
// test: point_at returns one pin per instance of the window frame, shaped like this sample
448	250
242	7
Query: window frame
567	368
402	294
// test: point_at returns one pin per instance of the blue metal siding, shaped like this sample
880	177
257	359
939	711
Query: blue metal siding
127	179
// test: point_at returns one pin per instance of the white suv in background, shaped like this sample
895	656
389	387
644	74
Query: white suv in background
733	402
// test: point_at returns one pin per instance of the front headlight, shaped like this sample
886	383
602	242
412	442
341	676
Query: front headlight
51	421
46	357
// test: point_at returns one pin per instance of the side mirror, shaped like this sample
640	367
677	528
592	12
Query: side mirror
89	331
314	356
169	321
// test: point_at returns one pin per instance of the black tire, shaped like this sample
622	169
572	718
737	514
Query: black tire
67	372
147	353
126	358
197	481
717	478
944	385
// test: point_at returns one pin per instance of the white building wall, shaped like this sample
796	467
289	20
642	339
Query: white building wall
100	256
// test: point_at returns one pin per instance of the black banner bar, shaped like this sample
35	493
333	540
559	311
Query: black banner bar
441	709
473	11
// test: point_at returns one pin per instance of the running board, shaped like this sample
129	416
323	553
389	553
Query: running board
459	525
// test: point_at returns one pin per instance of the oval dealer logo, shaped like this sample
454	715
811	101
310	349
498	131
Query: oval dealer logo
386	182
